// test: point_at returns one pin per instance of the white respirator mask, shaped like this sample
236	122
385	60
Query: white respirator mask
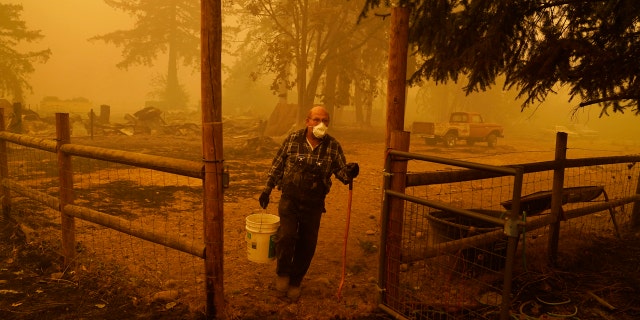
320	130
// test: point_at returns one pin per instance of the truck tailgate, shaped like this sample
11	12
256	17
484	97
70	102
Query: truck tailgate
423	128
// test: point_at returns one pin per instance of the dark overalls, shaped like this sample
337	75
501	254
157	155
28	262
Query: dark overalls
300	209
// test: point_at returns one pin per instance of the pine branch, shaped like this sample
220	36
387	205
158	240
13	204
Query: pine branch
610	99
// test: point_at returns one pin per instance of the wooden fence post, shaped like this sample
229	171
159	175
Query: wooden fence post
394	223
105	114
212	147
4	171
397	82
92	116
16	121
556	197
635	214
396	139
65	174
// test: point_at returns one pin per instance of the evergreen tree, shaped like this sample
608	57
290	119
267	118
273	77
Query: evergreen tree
170	27
16	66
592	47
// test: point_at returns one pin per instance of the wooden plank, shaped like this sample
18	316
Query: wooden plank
165	164
28	141
125	226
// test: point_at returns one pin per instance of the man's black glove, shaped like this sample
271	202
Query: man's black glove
264	199
352	170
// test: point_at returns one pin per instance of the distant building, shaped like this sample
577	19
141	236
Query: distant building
52	105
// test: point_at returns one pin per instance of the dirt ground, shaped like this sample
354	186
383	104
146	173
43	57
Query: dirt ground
31	286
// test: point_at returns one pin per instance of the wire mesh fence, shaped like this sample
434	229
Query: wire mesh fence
160	202
435	279
144	199
440	281
37	170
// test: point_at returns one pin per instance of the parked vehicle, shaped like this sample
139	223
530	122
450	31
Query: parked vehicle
468	126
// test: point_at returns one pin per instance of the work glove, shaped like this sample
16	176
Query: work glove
352	170
264	199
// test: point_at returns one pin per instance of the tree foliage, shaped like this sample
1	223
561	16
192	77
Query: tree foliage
592	47
169	27
299	40
16	66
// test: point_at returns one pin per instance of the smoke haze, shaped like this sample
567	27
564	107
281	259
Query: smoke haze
80	68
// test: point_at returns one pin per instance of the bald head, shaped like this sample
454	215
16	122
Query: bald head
316	115
318	111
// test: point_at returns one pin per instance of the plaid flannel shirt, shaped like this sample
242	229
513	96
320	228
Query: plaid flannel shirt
296	148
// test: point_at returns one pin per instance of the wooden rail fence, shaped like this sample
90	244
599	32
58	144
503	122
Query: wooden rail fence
64	203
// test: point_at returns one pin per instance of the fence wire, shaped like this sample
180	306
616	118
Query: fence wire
156	201
436	282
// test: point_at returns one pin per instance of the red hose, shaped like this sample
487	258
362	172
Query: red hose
346	236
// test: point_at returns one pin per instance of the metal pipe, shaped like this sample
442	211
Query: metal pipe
445	207
514	235
458	163
384	220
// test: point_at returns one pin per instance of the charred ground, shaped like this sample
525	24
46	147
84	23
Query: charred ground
34	285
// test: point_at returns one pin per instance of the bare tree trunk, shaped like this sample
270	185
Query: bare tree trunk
173	92
330	87
173	87
368	103
15	125
283	91
358	97
301	65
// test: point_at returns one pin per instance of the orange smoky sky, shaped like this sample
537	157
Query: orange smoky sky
80	68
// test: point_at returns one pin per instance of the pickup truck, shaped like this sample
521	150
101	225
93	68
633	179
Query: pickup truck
467	126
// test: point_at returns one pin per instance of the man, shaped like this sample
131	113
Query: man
302	169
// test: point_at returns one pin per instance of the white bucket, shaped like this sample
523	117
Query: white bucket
261	233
